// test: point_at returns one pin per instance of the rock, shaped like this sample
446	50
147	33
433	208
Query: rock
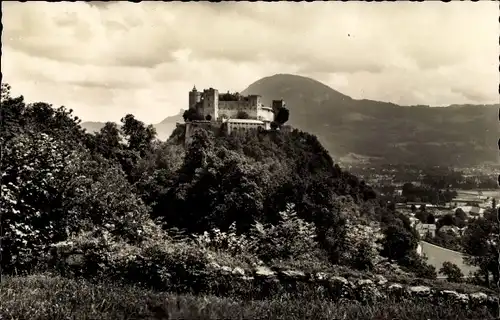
450	293
293	274
419	290
462	297
395	286
396	290
340	279
264	272
381	280
214	265
364	282
226	269
321	276
493	300
478	297
238	271
75	259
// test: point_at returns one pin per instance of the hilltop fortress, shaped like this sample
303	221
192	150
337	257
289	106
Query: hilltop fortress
240	113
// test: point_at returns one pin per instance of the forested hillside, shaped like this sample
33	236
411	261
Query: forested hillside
121	206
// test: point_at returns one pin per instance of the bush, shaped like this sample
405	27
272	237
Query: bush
452	272
290	238
417	265
159	262
51	190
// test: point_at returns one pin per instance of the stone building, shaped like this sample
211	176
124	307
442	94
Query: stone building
239	113
214	106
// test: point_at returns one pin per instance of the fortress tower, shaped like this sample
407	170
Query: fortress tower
211	103
278	104
194	97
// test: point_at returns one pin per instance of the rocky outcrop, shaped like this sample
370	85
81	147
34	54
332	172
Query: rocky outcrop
363	290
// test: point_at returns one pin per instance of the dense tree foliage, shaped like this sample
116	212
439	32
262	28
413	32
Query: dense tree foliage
192	114
434	193
53	186
480	241
119	185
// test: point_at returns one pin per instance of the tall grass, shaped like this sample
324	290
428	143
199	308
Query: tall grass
52	297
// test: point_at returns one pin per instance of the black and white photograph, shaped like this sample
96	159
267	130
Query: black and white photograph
250	160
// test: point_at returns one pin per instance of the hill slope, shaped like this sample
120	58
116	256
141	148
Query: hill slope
458	135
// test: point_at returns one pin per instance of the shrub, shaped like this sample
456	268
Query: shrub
159	262
418	265
292	237
364	247
451	271
51	190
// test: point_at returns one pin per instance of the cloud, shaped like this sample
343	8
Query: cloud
107	59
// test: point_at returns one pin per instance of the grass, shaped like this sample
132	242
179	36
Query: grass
53	297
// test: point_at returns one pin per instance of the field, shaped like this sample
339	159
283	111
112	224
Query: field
437	255
473	194
48	297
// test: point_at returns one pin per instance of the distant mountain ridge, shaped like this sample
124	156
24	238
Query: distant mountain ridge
382	131
455	135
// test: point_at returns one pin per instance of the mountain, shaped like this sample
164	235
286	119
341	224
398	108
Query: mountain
163	129
454	135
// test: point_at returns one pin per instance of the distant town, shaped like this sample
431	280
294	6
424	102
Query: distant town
438	201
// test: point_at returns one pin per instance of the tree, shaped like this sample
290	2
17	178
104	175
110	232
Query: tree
108	141
431	219
460	214
422	216
460	218
446	220
451	271
398	242
494	203
391	206
192	115
139	136
363	258
480	243
282	116
242	115
412	262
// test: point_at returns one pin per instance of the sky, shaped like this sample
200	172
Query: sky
105	60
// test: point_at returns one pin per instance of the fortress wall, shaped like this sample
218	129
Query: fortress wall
191	126
231	108
265	115
241	127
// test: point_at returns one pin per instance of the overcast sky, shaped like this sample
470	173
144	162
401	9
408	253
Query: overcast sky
105	60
